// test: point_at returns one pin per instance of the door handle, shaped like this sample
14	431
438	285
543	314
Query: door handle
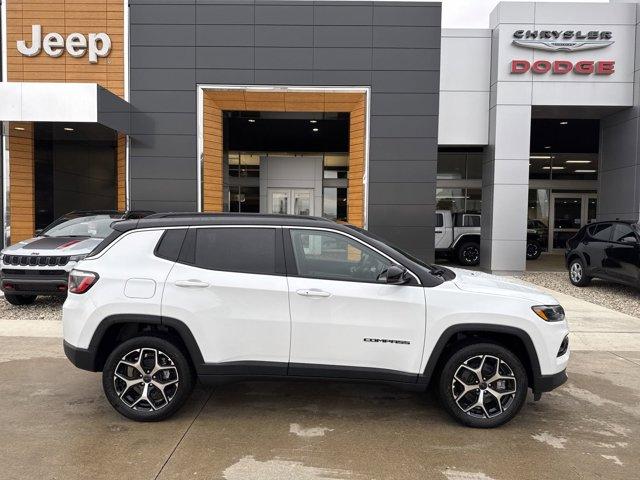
438	231
312	292
191	284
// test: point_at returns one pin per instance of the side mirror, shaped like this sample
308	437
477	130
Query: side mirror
630	240
394	275
38	232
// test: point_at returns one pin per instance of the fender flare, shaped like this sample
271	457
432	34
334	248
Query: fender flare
523	336
183	331
464	237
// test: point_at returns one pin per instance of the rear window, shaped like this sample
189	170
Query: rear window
471	221
601	231
170	244
245	250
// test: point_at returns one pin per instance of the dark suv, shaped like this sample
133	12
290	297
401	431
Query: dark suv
607	250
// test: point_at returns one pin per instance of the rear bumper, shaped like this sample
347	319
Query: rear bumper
546	383
80	357
34	283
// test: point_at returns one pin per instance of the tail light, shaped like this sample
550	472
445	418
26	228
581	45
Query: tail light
80	281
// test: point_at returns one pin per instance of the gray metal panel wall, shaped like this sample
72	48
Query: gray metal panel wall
619	169
393	47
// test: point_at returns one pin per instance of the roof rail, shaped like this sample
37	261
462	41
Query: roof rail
232	214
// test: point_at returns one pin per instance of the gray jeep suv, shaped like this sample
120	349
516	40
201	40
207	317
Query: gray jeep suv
41	265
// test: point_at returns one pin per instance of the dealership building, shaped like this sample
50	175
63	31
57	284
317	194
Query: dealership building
366	112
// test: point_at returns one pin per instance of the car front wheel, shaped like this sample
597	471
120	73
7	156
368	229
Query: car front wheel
19	299
483	385
147	379
533	250
577	274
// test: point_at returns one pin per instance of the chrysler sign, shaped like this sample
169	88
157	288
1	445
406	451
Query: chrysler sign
562	40
76	44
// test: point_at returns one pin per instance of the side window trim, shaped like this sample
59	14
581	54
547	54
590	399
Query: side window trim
292	269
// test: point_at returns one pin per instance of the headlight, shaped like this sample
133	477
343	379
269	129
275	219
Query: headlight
549	313
76	258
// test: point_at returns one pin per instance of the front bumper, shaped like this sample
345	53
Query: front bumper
34	281
546	383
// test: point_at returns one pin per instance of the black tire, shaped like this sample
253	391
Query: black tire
533	250
124	399
468	254
577	275
19	299
491	414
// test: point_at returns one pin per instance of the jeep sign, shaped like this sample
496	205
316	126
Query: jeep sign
76	44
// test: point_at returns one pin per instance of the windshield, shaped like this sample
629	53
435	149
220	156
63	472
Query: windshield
397	249
94	226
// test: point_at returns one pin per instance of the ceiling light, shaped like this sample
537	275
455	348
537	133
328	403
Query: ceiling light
252	120
553	168
547	147
540	157
564	122
20	129
578	161
315	129
585	171
313	121
68	129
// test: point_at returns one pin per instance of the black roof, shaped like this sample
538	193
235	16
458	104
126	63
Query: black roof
186	219
617	220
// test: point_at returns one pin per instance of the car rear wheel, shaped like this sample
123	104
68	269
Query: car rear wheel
483	385
19	299
147	379
469	254
577	275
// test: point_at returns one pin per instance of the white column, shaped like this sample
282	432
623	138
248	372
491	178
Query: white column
505	189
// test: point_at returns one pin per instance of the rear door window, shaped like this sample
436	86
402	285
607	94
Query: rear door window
439	220
623	233
245	250
601	231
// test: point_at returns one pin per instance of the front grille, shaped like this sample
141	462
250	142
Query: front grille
33	273
564	346
35	260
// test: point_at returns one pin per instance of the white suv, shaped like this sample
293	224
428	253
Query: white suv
223	298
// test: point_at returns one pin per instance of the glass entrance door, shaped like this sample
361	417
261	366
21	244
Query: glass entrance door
569	213
290	201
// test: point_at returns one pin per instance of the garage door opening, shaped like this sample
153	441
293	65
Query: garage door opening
287	163
300	153
76	169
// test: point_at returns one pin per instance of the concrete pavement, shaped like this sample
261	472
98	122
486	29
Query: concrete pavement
55	422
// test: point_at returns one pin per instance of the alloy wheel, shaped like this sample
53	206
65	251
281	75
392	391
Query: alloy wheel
576	272
471	254
146	379
484	386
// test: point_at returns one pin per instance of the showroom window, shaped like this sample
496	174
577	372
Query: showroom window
460	165
466	200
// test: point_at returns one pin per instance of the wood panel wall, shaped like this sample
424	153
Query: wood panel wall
21	181
63	17
216	101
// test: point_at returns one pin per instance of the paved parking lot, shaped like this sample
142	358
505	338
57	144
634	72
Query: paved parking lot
55	422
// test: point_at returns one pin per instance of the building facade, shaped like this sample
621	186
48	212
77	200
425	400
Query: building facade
366	112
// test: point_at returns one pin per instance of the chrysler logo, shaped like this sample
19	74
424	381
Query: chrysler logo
562	40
